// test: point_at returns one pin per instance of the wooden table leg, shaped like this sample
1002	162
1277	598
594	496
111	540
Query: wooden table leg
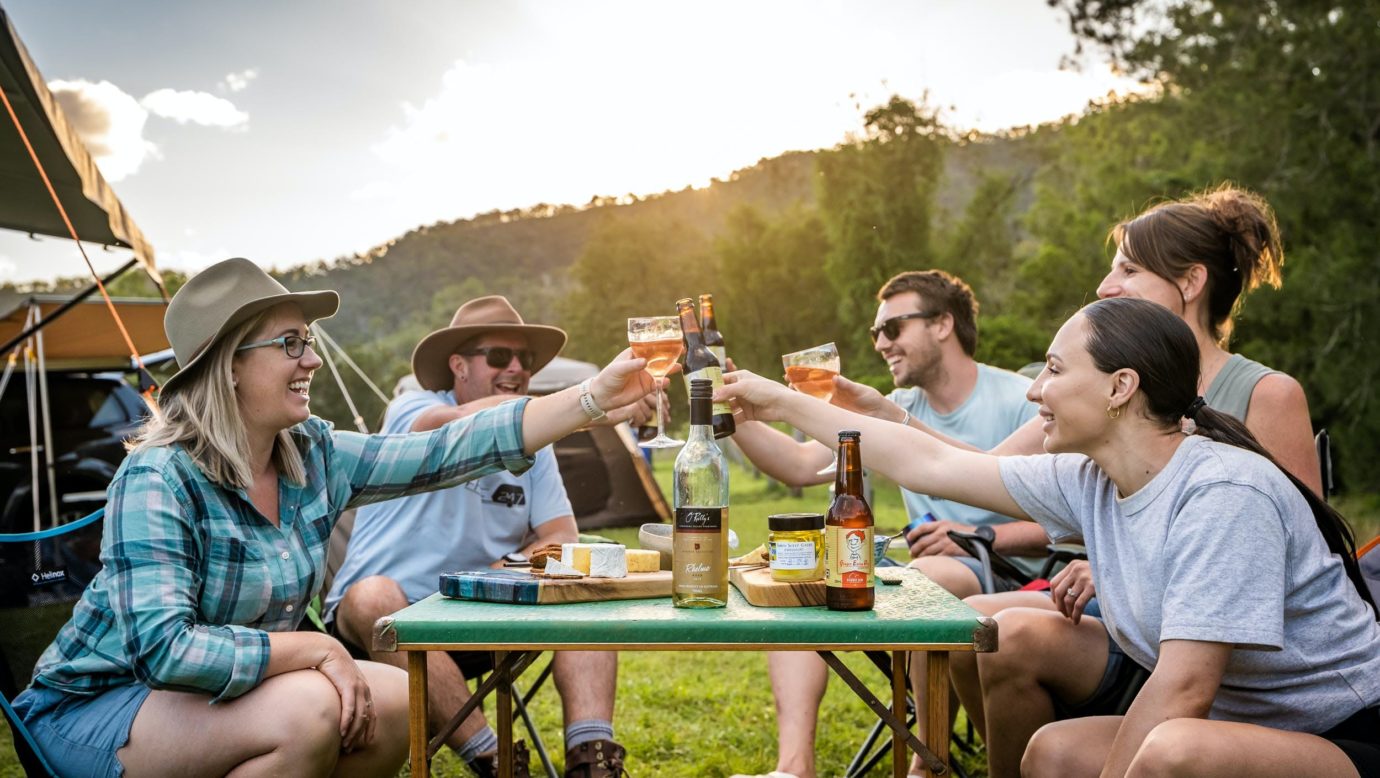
416	713
937	715
503	695
900	753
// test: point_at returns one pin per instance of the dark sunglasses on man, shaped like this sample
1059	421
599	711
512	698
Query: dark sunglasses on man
502	356
892	326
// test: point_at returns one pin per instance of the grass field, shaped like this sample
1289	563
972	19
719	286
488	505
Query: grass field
710	714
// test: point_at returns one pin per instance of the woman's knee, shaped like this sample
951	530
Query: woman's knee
302	711
1024	637
1172	748
1051	752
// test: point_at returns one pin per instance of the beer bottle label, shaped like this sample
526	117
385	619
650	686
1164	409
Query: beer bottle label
719	354
848	557
715	375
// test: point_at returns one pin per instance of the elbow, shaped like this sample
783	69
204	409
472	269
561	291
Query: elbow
1191	693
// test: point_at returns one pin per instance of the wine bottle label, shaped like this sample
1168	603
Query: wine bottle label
848	557
716	376
699	551
793	555
719	354
700	519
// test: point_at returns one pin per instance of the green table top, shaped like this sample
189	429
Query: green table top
917	614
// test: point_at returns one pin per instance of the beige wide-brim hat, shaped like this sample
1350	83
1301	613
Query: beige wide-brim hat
481	316
222	296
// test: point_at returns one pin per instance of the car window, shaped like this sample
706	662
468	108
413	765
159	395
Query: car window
75	404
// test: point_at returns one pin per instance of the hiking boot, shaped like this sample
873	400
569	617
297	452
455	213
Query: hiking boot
596	759
487	766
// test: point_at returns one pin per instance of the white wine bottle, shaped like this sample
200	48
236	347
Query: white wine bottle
699	551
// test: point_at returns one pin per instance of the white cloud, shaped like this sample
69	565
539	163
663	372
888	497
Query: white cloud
238	82
196	107
109	121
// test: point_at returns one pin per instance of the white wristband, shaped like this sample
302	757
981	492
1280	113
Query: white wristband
587	404
905	420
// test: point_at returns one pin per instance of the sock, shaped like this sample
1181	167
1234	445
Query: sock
484	741
586	730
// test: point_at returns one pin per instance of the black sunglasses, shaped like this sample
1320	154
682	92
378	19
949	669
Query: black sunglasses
502	356
892	326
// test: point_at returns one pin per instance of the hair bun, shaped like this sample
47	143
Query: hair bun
1249	223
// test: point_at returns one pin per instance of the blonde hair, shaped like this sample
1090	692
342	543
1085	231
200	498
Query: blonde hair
203	416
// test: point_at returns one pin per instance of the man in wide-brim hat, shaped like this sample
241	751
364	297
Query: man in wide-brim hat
398	549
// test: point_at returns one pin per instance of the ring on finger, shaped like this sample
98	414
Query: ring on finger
1072	593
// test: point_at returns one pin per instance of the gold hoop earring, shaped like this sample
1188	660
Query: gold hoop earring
1113	412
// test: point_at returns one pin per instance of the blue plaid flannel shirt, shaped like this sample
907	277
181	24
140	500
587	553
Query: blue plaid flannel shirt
193	578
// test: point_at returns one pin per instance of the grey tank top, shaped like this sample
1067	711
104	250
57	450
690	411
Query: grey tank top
1231	390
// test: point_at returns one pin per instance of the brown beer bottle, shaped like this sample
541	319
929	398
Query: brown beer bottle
700	362
848	534
712	337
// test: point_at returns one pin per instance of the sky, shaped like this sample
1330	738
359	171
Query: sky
290	132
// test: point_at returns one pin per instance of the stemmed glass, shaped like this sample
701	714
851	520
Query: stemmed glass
812	371
658	340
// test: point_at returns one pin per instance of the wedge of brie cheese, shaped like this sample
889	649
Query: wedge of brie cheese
555	568
597	560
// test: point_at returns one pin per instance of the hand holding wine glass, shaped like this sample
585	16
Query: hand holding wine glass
658	340
812	372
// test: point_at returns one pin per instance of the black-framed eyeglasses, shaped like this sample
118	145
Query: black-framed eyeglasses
892	326
293	345
502	356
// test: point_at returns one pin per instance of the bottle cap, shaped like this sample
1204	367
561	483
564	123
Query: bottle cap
853	434
795	522
701	389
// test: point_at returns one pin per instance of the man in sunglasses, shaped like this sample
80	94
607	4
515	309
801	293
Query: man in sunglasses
926	330
398	549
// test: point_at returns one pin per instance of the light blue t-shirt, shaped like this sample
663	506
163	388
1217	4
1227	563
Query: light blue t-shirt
996	408
469	527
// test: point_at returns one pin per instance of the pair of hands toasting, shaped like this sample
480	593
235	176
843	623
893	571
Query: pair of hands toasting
759	399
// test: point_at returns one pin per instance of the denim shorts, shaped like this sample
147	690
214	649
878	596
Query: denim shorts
79	734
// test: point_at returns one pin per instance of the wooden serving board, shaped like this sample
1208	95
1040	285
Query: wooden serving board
521	587
757	587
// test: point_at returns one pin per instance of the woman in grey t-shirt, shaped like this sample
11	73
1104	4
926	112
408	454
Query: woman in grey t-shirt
1224	574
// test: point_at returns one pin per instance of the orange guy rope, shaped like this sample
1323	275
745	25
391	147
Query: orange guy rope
134	352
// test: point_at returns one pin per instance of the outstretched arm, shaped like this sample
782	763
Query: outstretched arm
908	456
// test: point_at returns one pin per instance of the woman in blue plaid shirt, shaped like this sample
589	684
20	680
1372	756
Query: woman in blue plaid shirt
181	656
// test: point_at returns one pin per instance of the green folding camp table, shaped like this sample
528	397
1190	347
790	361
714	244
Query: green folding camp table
915	616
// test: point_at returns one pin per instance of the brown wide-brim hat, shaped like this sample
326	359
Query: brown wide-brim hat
481	316
221	297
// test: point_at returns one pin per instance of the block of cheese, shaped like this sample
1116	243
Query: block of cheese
643	560
596	560
558	569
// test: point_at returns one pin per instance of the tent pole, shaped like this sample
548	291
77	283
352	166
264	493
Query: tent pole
46	413
62	309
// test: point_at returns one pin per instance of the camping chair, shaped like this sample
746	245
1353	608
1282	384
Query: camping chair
41	575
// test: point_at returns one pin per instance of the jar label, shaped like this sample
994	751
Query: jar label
793	555
848	557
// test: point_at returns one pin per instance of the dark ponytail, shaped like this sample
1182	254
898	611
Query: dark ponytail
1149	339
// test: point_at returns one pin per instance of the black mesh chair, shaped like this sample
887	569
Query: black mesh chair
42	574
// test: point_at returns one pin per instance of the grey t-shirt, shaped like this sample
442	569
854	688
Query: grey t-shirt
1218	547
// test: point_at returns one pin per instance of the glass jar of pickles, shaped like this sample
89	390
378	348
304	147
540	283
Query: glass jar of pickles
796	542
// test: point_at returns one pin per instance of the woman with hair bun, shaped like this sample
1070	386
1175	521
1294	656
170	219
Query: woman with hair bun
1221	571
1198	257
